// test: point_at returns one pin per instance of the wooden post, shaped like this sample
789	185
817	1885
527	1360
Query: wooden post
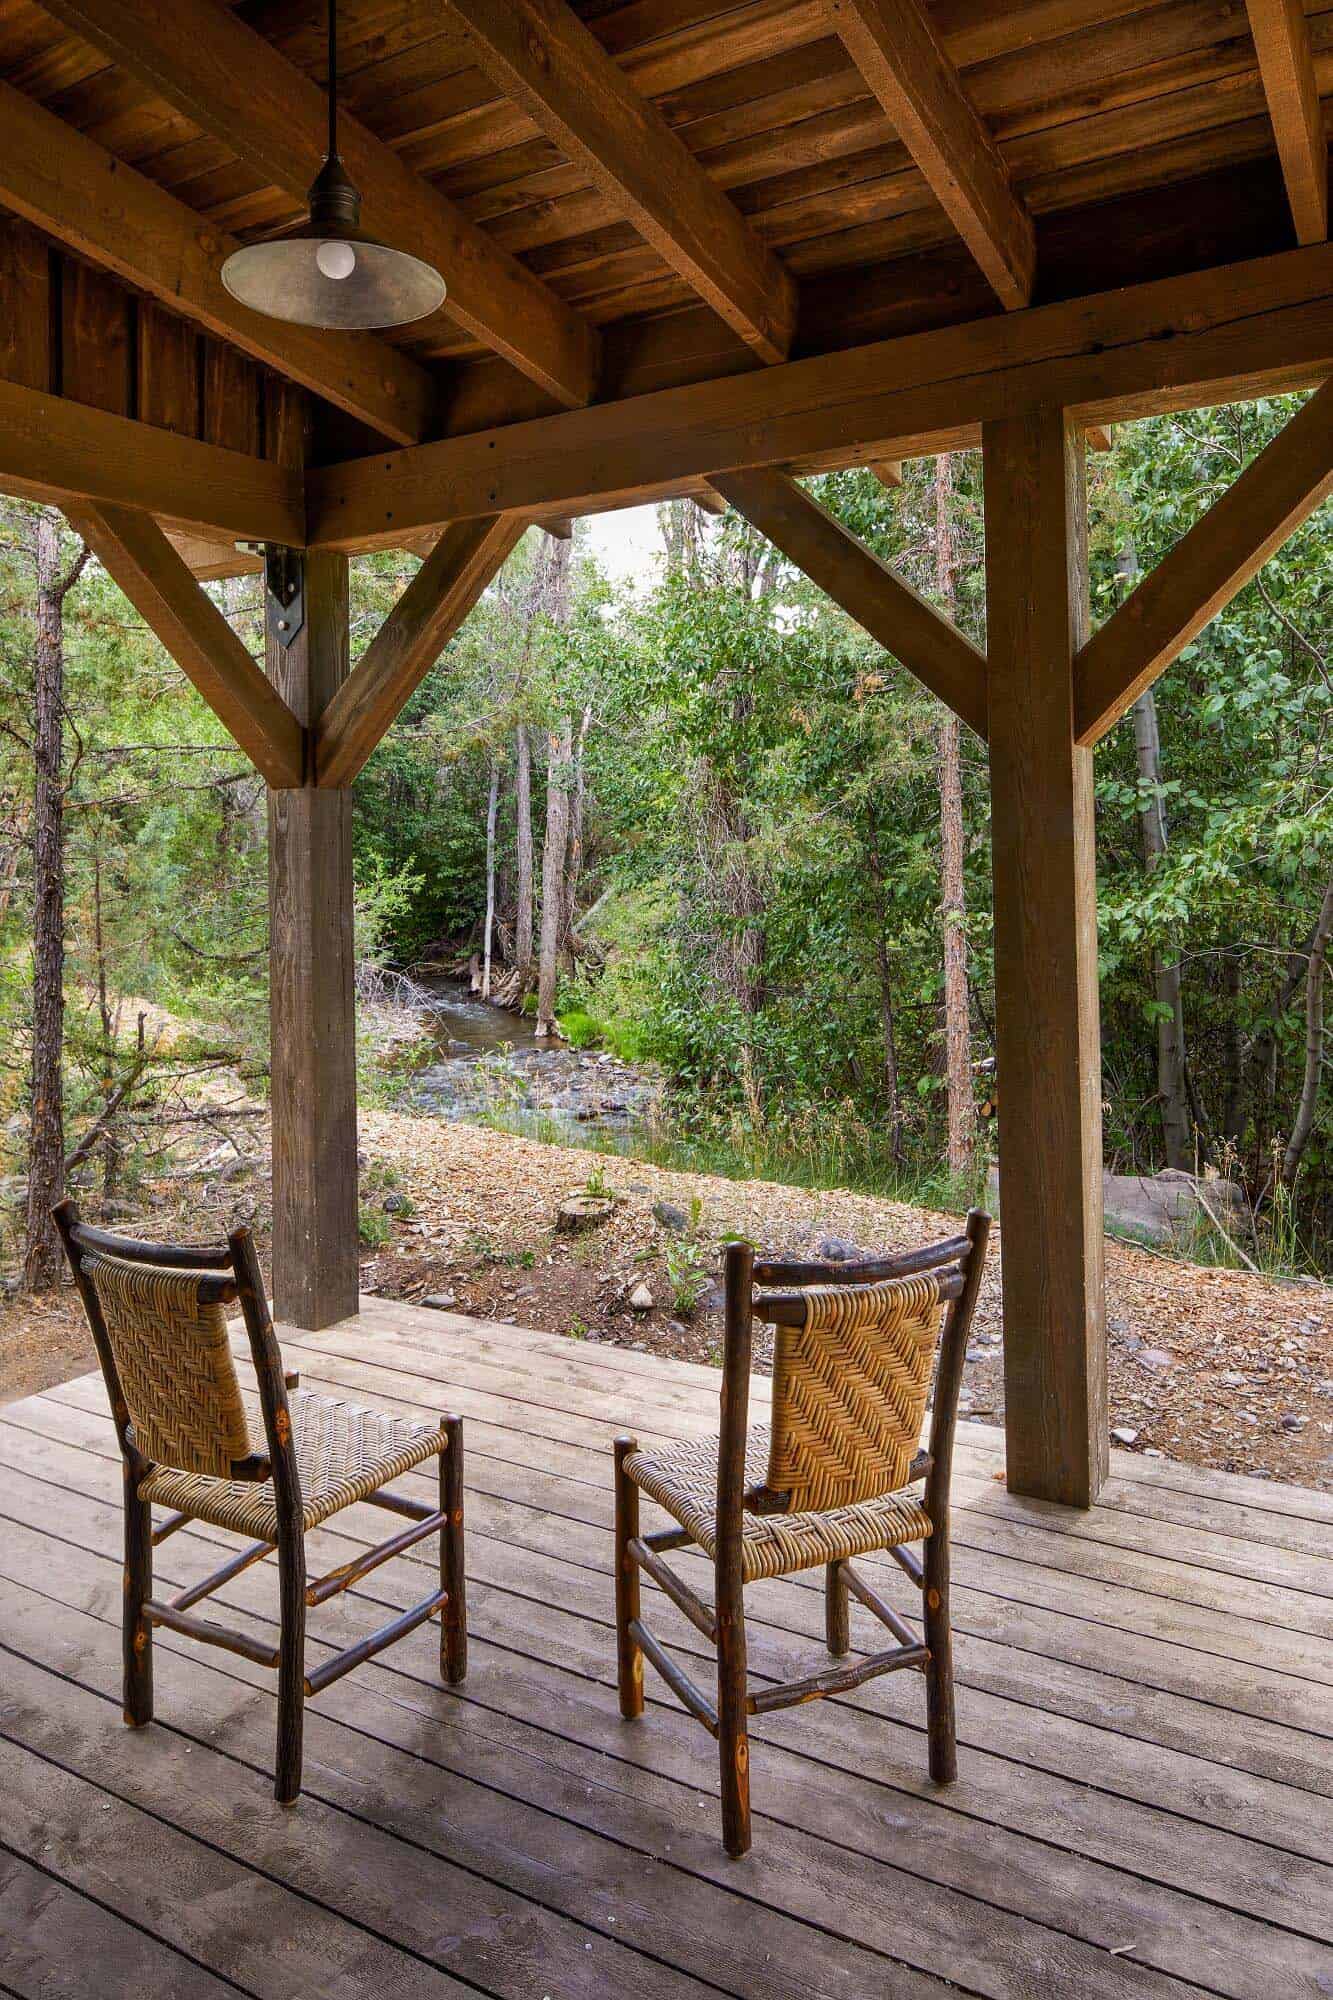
312	1004
1047	1030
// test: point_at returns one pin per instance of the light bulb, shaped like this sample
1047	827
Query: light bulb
336	260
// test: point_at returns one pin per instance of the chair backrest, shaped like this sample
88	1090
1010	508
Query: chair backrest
173	1356
854	1353
157	1316
849	1391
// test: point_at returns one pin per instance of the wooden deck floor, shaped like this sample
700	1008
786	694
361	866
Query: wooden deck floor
1145	1707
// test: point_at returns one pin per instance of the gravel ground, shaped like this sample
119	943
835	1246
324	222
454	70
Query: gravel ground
1215	1367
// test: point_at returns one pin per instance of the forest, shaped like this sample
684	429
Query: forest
696	818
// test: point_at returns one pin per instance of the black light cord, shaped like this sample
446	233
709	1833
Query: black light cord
333	79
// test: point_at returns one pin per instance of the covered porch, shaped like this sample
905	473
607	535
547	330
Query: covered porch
1144	1712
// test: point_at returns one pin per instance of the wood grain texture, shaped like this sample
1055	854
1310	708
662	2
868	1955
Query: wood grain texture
52	448
1046	1001
1217	557
419	1803
542	56
160	584
1214	335
408	643
230	82
90	200
898	50
312	1003
903	622
1282	43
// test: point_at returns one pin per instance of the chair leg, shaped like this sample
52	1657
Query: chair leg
940	1725
629	1658
138	1633
733	1739
837	1621
291	1666
453	1631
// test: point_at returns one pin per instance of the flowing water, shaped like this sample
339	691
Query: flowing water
486	1063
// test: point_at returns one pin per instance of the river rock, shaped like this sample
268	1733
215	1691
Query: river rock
668	1216
837	1250
442	1302
641	1299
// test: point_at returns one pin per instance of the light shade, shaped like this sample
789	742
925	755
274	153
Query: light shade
284	279
329	272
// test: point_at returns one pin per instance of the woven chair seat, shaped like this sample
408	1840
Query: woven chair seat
344	1453
683	1479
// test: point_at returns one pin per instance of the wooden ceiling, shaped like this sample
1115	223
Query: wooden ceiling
640	192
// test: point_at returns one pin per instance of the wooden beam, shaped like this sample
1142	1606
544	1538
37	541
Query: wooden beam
1217	557
1219	335
66	452
541	55
888	471
409	642
1046	1002
1286	64
162	588
890	610
86	198
210	562
231	83
312	988
898	50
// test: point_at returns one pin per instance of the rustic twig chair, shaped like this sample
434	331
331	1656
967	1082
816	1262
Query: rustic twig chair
157	1316
854	1350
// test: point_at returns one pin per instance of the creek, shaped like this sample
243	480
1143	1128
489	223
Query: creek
484	1063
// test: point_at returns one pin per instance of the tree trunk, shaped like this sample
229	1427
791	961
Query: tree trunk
1314	1041
885	975
574	854
1233	1104
492	811
953	896
46	1150
521	977
1172	1083
559	757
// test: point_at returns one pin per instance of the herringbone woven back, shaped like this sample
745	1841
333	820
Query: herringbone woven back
849	1391
175	1365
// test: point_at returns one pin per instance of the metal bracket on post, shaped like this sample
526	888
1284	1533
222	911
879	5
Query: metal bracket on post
284	591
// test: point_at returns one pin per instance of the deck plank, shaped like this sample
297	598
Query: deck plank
1144	1804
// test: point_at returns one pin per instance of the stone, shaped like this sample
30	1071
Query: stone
1292	1422
441	1302
641	1299
1123	1434
1156	1358
711	1301
836	1250
667	1216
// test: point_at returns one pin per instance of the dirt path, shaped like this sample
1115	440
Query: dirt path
1215	1367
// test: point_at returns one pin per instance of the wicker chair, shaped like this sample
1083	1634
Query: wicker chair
190	1444
833	1479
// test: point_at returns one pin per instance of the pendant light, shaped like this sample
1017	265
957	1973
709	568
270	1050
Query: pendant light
327	271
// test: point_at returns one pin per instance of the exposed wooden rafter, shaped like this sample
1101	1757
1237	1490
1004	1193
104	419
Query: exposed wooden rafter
1286	64
163	589
927	644
542	56
70	453
1205	569
230	82
898	51
211	561
1217	335
86	198
409	642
